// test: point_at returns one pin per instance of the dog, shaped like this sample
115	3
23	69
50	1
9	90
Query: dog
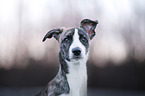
71	79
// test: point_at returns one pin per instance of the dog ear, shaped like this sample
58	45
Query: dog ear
89	26
53	33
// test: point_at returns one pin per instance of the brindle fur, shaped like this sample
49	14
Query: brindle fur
59	85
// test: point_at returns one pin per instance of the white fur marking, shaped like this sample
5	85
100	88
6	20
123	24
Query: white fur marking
76	43
77	76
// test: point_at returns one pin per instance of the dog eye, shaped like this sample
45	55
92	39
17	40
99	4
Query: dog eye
67	39
83	39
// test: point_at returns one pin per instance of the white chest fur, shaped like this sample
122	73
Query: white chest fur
77	79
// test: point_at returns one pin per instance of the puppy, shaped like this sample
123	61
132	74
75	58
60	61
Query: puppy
71	79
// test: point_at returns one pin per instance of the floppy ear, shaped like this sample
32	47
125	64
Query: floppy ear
53	33
89	26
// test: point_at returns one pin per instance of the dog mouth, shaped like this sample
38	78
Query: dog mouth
77	57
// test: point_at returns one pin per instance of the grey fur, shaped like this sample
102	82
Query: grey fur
59	85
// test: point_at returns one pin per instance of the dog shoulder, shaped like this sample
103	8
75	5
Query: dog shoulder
57	87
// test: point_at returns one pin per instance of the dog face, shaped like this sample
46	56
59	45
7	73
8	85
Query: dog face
74	42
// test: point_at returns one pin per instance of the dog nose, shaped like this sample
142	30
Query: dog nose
76	51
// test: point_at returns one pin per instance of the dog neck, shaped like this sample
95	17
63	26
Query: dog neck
75	73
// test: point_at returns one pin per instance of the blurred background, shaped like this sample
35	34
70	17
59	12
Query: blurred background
116	66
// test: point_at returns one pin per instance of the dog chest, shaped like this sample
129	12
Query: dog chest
77	79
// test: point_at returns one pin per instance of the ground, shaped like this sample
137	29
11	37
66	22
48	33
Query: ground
4	91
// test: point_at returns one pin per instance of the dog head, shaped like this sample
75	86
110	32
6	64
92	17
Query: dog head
74	42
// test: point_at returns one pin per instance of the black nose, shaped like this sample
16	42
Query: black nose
76	51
